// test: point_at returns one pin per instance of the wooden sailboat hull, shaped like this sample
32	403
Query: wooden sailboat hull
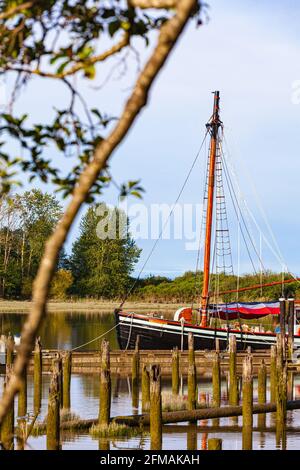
165	334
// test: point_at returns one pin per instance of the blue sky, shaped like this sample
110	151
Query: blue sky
249	51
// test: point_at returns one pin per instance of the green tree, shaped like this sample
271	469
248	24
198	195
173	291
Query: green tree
101	266
61	283
39	214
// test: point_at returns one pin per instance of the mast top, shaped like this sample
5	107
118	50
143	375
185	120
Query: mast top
214	123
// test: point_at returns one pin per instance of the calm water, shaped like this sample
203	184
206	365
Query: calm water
63	330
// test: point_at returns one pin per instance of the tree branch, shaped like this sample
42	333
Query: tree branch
169	33
164	4
12	11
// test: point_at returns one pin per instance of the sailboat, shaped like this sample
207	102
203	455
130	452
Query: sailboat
214	322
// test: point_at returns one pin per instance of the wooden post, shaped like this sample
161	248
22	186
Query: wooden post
262	392
273	374
67	372
291	320
53	417
247	403
233	380
135	374
22	397
105	386
155	408
282	304
281	401
37	376
216	380
10	347
214	444
57	367
175	371
145	388
192	377
191	437
7	426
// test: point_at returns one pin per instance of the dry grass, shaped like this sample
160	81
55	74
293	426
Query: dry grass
90	306
172	402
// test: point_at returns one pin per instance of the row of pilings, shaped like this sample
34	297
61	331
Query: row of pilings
148	380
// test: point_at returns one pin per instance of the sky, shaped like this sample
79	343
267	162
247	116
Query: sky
250	52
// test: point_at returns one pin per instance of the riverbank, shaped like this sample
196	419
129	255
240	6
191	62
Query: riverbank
87	306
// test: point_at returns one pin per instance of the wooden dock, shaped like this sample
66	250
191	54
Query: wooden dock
121	361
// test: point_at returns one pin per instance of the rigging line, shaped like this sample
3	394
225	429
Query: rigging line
166	222
241	229
204	186
97	337
274	249
240	211
261	208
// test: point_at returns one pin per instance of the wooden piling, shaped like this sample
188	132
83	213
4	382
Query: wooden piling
53	417
233	379
105	386
22	396
192	377
281	402
145	388
214	444
273	374
216	380
191	437
7	426
247	404
135	374
37	376
57	367
155	408
282	317
175	371
262	392
291	319
67	371
10	346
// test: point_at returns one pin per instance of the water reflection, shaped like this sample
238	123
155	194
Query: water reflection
66	330
63	330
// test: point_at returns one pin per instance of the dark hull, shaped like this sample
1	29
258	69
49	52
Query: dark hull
169	335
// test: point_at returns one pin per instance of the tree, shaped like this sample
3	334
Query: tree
61	283
39	214
102	267
26	221
24	49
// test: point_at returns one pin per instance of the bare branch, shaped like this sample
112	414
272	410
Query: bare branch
12	11
78	65
164	4
169	33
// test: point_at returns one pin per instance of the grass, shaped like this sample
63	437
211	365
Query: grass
172	402
115	430
66	416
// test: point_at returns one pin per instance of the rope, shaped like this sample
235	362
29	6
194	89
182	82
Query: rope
129	336
97	337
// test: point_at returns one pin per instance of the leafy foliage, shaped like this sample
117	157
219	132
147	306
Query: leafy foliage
57	40
102	266
26	221
187	288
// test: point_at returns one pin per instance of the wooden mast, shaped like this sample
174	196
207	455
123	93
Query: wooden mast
213	127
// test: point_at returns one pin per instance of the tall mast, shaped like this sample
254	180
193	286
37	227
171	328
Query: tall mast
213	127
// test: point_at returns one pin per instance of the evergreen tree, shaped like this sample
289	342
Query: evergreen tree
101	265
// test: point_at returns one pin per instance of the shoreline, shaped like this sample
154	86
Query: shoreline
88	306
